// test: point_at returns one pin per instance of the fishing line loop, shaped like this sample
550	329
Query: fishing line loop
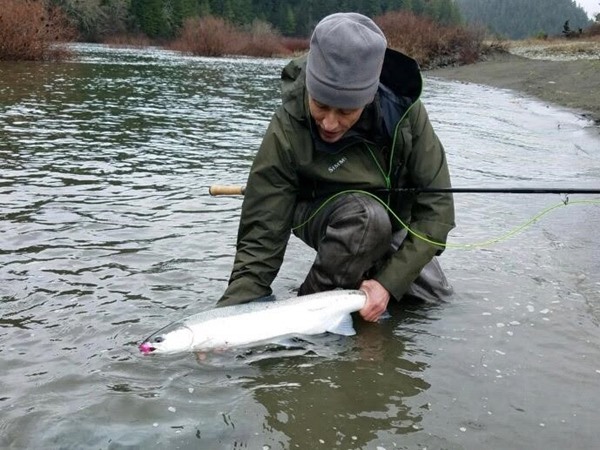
467	246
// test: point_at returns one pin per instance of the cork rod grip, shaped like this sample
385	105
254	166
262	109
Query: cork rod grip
222	189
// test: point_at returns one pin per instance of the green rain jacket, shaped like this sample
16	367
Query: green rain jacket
392	145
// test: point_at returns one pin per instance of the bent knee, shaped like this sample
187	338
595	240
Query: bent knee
378	220
378	228
373	229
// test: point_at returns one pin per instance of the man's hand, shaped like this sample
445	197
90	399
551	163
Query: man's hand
377	300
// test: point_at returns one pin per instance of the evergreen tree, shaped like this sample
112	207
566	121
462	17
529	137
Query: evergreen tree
288	21
182	9
418	7
204	8
148	16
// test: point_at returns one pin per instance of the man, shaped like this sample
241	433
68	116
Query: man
350	130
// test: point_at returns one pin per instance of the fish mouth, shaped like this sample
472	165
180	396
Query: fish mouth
146	348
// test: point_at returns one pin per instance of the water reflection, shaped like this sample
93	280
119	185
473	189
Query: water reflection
107	233
345	402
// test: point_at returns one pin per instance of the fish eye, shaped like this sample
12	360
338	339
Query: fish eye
158	339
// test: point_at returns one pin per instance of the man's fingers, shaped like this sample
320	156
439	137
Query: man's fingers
371	315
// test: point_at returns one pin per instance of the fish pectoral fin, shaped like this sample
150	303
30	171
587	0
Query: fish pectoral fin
343	326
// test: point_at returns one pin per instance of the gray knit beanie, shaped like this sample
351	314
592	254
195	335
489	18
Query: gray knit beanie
344	61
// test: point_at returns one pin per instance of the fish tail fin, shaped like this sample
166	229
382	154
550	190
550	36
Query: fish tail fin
343	326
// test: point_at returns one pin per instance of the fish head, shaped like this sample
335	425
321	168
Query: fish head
168	340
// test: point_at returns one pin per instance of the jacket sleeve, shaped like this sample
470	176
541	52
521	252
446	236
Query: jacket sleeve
432	214
266	218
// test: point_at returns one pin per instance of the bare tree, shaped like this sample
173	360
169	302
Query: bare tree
97	18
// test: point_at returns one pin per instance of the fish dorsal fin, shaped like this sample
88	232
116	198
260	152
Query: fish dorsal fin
343	326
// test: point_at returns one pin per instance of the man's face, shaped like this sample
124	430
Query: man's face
332	123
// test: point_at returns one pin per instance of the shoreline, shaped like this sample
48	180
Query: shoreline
572	84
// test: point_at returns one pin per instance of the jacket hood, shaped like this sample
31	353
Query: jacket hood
400	74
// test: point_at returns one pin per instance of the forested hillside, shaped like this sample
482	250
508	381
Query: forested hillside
522	18
297	17
164	18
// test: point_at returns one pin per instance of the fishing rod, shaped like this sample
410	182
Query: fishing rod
218	189
240	190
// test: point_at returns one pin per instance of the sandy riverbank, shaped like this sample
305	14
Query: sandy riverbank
574	84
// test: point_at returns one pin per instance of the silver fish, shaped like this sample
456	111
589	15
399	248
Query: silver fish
259	322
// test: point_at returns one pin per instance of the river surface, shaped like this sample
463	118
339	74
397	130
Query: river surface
107	233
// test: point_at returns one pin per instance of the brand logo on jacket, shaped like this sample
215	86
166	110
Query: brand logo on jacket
337	165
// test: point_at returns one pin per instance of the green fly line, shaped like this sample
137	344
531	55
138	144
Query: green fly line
482	244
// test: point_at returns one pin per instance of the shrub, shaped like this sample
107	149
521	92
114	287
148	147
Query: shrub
295	45
593	30
430	43
496	46
29	30
213	36
261	41
206	36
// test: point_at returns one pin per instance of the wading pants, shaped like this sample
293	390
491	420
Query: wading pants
352	235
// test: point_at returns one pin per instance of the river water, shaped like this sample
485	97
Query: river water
107	233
